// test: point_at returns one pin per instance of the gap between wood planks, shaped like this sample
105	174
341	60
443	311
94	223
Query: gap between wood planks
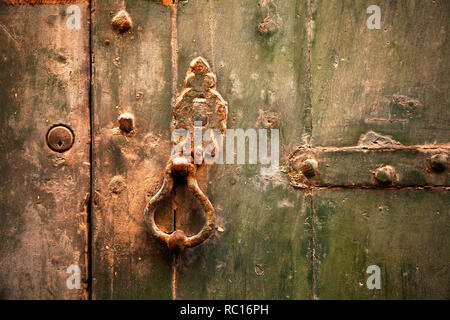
308	108
174	50
308	128
91	159
370	187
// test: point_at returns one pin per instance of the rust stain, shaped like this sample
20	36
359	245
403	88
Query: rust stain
169	2
174	276
294	170
385	120
271	21
200	100
406	101
269	119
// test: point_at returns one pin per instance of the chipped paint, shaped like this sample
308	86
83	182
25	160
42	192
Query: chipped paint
372	139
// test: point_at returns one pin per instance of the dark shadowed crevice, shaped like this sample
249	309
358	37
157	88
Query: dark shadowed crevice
91	159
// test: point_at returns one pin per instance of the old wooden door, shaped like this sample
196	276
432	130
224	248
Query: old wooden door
363	119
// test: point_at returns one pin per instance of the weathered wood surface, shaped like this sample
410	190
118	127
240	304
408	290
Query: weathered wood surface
311	69
264	80
130	74
44	71
404	232
273	241
394	81
260	250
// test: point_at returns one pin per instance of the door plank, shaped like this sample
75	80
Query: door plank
132	74
44	71
260	247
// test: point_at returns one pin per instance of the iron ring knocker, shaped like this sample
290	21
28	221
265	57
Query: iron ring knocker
177	240
199	98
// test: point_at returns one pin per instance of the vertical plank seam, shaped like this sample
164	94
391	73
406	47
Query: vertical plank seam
174	49
91	160
313	247
308	108
309	132
174	52
211	35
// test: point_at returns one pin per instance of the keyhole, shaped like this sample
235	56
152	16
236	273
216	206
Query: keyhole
60	138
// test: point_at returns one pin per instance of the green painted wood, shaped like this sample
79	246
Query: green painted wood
273	241
393	81
404	232
260	248
131	74
44	71
262	76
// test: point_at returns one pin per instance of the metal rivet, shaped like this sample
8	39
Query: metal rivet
439	162
126	122
60	138
385	175
122	21
309	168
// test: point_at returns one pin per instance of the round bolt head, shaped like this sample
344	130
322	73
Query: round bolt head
439	162
385	175
60	138
309	167
126	122
177	240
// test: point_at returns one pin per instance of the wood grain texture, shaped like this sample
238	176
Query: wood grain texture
405	233
131	73
394	81
44	71
260	248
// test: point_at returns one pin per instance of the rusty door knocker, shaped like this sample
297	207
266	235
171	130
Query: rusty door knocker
199	101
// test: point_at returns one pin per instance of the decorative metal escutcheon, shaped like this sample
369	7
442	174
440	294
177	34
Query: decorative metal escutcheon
198	103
